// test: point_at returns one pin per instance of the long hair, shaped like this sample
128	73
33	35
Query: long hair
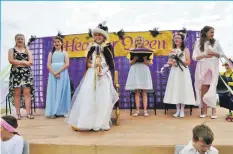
203	37
139	37
21	35
182	47
60	39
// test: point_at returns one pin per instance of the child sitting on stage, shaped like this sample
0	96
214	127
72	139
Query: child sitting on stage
11	142
201	142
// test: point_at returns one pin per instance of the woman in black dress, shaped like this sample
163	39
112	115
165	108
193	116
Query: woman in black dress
21	76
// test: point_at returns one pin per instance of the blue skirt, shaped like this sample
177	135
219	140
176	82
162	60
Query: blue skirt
58	92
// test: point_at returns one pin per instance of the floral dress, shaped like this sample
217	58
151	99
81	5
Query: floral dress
20	77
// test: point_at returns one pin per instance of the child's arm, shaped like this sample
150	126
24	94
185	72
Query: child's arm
171	62
12	60
187	61
133	61
30	58
49	64
147	62
67	63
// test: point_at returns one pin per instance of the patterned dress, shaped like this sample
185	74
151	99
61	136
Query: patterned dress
21	77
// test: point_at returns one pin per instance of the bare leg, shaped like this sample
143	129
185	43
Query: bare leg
17	94
27	95
204	90
214	116
144	94
137	101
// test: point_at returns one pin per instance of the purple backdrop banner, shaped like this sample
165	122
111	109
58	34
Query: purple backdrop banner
42	46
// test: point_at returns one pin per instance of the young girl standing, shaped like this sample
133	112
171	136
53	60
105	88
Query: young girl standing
139	78
21	76
207	52
58	89
95	97
179	80
11	142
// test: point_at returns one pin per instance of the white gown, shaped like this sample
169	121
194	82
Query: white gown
92	108
179	88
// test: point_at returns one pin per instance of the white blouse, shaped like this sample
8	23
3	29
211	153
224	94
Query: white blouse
12	146
207	46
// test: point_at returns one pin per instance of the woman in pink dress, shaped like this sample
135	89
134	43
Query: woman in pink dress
207	52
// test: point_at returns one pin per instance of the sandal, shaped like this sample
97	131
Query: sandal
136	114
29	116
18	116
146	114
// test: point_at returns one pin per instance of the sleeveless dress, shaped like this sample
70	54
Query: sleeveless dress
179	88
58	90
93	100
20	77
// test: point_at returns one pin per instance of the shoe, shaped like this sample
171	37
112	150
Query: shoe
146	114
214	117
203	115
182	115
136	114
176	114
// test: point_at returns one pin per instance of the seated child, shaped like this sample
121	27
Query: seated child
201	142
11	142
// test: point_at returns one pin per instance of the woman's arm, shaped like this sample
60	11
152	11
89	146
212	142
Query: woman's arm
67	63
12	60
196	51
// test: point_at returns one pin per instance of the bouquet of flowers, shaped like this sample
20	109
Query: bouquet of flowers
176	57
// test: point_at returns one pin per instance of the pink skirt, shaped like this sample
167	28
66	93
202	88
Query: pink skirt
207	78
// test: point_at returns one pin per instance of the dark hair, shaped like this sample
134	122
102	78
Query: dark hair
182	47
60	39
204	133
203	37
11	121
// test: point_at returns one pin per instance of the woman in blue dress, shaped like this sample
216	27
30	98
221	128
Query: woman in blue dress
58	89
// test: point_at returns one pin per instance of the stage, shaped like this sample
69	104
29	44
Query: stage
157	134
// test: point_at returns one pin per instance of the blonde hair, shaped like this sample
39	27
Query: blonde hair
21	35
139	37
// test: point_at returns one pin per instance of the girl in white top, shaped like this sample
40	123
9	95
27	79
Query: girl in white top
11	142
179	80
207	52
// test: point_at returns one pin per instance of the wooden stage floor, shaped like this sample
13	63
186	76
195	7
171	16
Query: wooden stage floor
132	136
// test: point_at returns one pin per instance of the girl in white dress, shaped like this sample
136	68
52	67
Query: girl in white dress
179	88
11	142
139	78
207	52
95	97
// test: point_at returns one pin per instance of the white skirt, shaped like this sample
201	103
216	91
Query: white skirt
92	108
179	88
139	77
